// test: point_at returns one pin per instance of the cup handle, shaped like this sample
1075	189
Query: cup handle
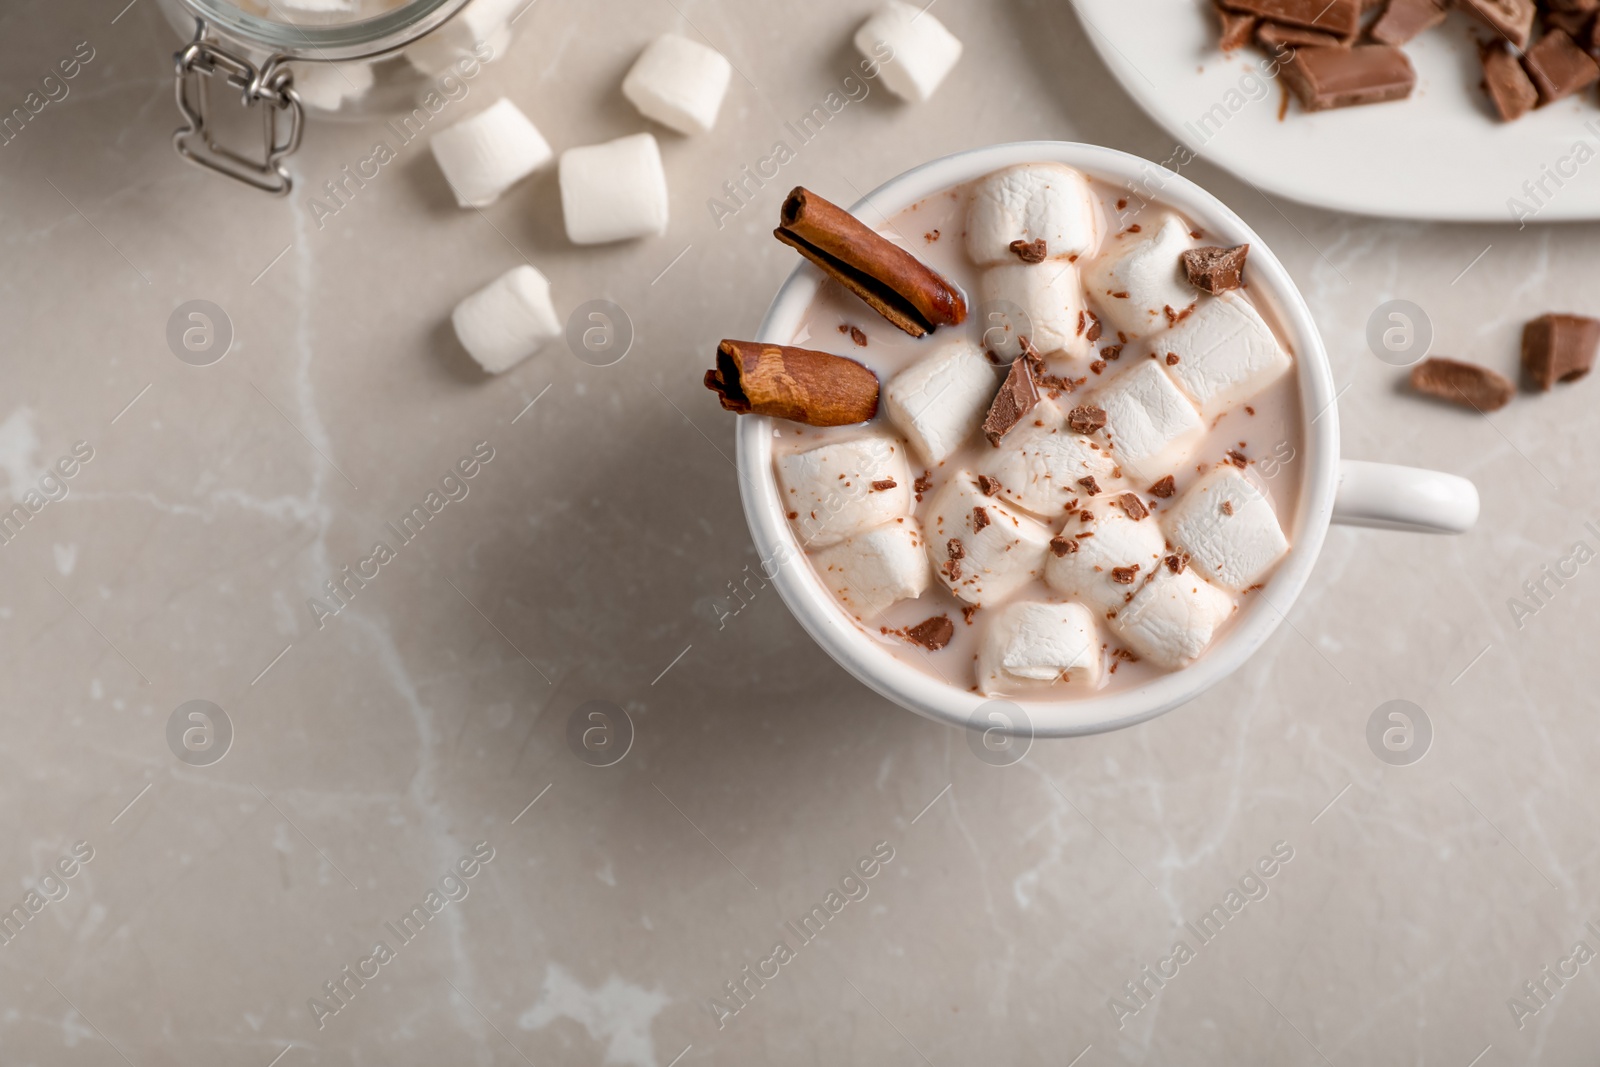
1391	497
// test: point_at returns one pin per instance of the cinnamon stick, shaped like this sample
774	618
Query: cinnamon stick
892	281
816	388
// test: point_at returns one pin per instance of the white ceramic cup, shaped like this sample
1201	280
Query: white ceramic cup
1332	490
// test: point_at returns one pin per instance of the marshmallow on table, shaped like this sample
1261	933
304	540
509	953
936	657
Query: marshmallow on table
1144	268
1226	353
1032	645
1026	203
1050	297
614	191
487	154
508	320
1172	618
874	570
1085	574
1228	527
828	491
481	30
913	47
328	86
679	83
979	546
940	400
1152	426
1039	461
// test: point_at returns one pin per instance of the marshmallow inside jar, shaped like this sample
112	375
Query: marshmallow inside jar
1144	444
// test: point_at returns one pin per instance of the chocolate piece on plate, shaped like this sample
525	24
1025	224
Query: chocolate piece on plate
1339	17
1278	38
1574	23
1326	78
1017	397
1463	383
1404	19
1559	348
1512	19
1559	67
1510	89
1215	270
1237	27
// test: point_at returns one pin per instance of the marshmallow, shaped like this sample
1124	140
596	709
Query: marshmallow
1152	426
481	30
982	549
1144	267
1031	645
876	569
328	86
614	191
1228	527
487	154
1086	574
679	83
1050	298
828	491
507	320
1038	466
940	400
1226	353
915	49
1172	618
1027	202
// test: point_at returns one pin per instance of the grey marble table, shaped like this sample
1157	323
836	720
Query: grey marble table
593	558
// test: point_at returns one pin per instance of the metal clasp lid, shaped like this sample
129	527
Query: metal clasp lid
271	85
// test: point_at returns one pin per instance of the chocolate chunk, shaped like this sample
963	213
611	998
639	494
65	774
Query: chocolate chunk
1086	419
1404	19
1176	563
857	334
1236	457
1215	270
1237	29
1574	24
1124	575
1133	506
1282	40
980	519
1017	396
1325	78
883	484
1063	546
1164	488
1511	19
1461	383
967	610
1559	67
954	549
1339	17
921	485
1559	348
932	634
1029	251
1111	352
1090	486
1510	89
1098	366
988	486
1172	359
1093	332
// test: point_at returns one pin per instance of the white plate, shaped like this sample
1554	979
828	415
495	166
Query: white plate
1439	155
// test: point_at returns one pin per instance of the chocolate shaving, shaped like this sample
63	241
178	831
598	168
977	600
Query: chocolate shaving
954	549
892	281
1063	546
1176	563
1093	332
1237	458
1164	488
1029	251
1227	507
1090	486
980	519
815	388
1086	419
932	634
1215	270
883	484
1018	395
1133	506
857	334
988	486
1124	575
1461	383
1559	348
1172	359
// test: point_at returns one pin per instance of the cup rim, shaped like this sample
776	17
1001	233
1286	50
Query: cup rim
820	613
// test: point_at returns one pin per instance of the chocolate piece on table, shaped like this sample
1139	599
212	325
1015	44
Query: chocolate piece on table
1512	19
1278	38
1215	270
1017	396
1237	27
1510	89
1463	383
1326	78
1404	19
1559	348
1559	67
816	388
1339	17
893	282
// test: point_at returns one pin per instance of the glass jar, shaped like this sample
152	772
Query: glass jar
326	58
